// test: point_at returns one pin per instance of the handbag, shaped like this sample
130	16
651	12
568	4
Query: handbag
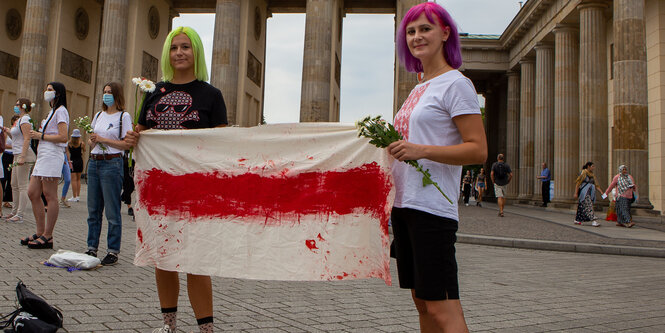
34	314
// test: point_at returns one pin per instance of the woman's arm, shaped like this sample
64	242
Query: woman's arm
118	144
473	150
26	128
61	137
614	182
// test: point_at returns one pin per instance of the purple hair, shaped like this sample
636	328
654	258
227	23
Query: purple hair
451	48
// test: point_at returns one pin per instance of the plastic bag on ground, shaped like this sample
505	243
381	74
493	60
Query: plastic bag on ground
66	258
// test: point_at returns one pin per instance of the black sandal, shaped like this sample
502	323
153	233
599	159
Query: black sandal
47	243
25	241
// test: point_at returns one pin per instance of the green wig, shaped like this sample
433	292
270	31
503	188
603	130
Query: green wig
200	69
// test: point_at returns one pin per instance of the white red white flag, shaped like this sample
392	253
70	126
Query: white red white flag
276	202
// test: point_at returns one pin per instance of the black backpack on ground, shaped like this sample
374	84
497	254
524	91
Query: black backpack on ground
33	314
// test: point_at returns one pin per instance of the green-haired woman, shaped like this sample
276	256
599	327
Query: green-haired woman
183	100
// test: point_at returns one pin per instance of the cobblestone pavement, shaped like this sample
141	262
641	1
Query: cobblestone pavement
502	290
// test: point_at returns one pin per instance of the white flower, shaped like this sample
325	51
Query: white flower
147	86
24	107
136	80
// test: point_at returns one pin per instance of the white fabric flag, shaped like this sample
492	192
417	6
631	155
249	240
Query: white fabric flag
307	201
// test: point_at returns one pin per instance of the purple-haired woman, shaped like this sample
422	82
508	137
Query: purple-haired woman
442	129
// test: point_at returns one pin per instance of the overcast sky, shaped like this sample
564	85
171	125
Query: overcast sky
367	55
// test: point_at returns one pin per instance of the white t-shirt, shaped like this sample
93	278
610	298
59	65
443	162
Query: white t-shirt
17	136
426	117
106	125
61	116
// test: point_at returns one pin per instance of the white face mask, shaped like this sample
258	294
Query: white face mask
49	95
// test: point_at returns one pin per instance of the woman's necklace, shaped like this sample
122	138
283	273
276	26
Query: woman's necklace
435	73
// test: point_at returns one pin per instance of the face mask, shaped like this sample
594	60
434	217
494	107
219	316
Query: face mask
49	95
108	99
17	110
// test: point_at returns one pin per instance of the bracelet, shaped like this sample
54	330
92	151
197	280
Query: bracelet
43	135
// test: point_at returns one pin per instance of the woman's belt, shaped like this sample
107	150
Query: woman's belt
101	157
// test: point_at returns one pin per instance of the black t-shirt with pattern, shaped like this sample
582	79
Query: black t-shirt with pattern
192	105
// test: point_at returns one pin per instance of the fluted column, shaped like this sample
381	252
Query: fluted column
527	112
566	112
32	67
225	54
404	81
512	133
630	131
544	119
316	67
112	46
593	88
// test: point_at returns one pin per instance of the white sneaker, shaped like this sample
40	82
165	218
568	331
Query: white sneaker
466	205
15	219
595	224
73	199
165	329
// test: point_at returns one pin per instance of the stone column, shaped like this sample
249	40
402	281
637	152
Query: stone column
512	133
32	66
316	67
112	47
527	110
630	131
544	119
593	89
225	54
404	81
566	113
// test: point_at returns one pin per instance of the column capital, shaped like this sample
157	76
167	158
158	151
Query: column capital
600	4
512	73
528	60
544	45
564	27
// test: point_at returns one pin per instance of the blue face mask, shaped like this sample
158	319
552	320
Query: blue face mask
108	99
17	110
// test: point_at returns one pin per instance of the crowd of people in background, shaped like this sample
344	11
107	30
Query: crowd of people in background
37	158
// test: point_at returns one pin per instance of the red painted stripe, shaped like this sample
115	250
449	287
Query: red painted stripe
274	199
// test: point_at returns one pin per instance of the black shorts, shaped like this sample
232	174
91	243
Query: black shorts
425	252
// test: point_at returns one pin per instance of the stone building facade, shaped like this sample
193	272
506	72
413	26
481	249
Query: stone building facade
571	81
568	81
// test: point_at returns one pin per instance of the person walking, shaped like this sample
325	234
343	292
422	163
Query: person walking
442	128
480	186
626	189
24	157
48	166
545	177
185	77
501	176
105	172
585	193
76	150
466	184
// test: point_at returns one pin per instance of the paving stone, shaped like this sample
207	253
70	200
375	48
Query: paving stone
502	289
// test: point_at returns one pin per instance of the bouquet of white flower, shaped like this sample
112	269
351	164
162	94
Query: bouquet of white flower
143	86
85	124
382	134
